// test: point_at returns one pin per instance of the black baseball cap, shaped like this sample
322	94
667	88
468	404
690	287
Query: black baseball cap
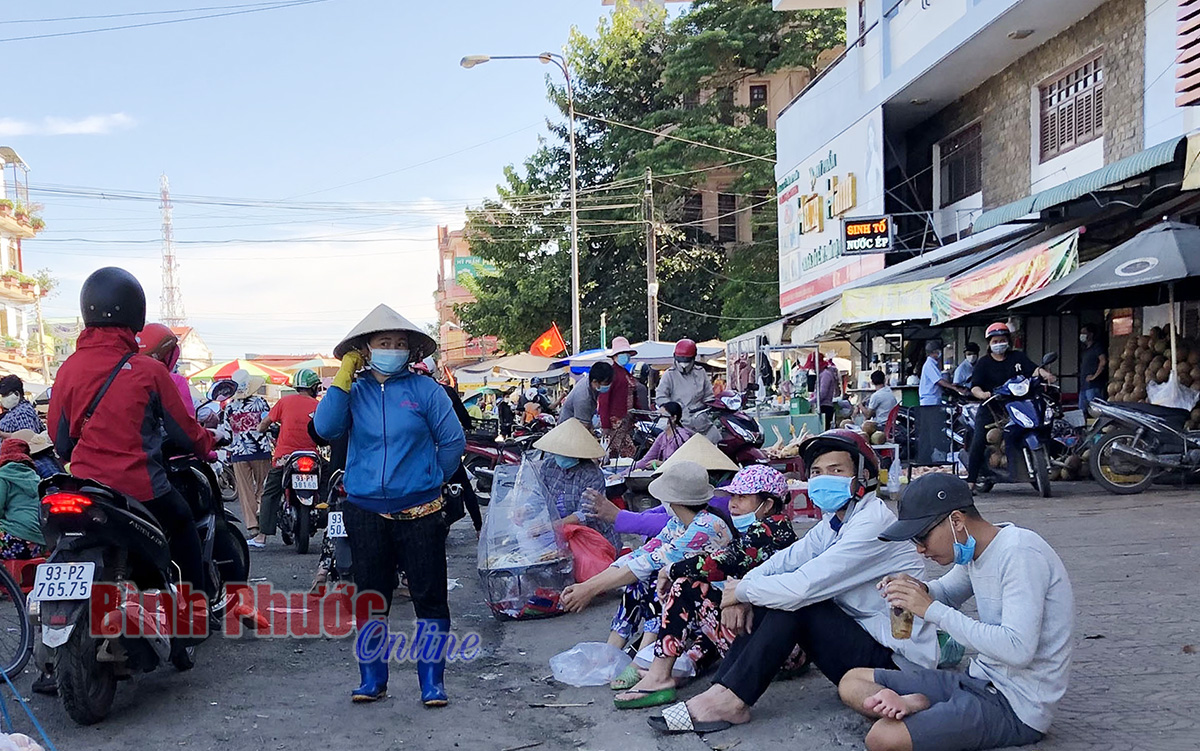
927	501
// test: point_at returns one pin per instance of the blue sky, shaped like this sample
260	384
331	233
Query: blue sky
274	105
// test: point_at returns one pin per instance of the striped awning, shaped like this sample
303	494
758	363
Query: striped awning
1116	173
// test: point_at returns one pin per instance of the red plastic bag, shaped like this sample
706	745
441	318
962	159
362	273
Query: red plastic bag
592	553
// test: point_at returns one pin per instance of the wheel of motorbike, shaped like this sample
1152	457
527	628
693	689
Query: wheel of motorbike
85	685
231	556
1116	473
287	522
16	633
183	658
1041	472
303	531
228	487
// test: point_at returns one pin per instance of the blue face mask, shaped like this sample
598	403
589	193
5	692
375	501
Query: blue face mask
603	389
964	552
388	361
743	522
622	360
566	462
830	492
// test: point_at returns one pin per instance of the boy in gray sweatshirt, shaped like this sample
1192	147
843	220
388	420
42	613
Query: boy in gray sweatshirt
1023	635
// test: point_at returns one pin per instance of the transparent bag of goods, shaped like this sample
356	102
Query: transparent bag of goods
589	663
524	561
18	742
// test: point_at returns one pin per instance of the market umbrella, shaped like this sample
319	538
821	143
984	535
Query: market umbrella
224	370
1132	274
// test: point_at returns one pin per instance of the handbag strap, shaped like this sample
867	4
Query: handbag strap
87	415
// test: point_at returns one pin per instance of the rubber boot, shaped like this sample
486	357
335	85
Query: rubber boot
374	672
432	674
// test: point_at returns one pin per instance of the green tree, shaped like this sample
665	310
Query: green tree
640	70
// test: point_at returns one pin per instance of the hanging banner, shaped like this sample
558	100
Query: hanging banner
902	301
1006	280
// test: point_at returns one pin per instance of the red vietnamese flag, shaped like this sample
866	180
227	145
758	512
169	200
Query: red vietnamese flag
549	344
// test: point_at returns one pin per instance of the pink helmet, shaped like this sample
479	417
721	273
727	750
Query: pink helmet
759	478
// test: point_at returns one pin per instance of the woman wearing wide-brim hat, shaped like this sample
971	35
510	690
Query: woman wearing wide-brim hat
614	405
405	441
694	528
570	470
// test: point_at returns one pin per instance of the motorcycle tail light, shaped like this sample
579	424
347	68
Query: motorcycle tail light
306	464
66	503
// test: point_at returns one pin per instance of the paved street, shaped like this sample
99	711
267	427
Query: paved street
1132	561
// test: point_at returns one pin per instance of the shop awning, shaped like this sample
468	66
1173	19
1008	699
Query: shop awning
1116	173
1007	279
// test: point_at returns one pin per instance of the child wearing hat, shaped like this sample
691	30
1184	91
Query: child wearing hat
694	528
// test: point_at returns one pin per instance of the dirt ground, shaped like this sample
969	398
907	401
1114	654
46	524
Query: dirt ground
1133	563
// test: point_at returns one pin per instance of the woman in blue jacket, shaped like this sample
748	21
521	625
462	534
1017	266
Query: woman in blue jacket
404	443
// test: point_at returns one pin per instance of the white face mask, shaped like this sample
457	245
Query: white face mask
972	358
1083	338
999	348
10	401
671	510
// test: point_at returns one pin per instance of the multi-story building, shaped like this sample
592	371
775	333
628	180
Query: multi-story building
19	293
455	264
939	110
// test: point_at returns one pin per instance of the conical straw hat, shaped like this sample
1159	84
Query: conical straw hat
383	318
571	438
700	450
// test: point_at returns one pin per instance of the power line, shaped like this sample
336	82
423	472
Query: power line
276	6
711	315
135	14
660	134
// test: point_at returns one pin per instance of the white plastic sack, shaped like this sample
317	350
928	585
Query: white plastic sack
589	663
18	742
1172	394
683	668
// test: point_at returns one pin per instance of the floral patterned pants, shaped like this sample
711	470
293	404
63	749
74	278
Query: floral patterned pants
639	609
15	549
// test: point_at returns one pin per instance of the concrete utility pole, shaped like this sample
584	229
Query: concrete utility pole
652	329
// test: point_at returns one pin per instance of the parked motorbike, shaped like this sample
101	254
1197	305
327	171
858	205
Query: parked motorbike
736	433
301	511
99	535
1029	410
1132	444
337	545
484	454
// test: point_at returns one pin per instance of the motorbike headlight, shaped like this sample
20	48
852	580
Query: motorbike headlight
741	432
1020	388
1094	410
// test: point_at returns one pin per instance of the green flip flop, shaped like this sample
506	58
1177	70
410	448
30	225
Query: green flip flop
646	698
626	679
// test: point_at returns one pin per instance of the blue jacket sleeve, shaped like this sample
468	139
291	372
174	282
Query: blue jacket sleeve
447	432
332	418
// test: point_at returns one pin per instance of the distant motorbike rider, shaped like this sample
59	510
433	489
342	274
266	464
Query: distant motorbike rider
112	409
535	393
1001	365
688	385
292	414
159	342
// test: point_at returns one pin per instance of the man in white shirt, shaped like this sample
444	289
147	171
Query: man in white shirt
1023	634
933	381
962	374
879	406
819	593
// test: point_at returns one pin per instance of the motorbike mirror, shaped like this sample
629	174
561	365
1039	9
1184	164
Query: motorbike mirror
1049	359
222	390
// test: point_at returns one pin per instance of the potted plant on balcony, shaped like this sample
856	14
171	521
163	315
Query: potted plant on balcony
21	212
6	207
36	223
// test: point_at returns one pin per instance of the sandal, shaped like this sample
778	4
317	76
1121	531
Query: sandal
647	697
252	532
626	679
676	719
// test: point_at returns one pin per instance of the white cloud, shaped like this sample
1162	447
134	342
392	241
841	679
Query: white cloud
65	126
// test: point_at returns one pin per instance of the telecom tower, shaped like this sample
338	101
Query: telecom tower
171	305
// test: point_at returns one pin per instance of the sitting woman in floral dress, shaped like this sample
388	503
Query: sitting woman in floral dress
690	590
20	531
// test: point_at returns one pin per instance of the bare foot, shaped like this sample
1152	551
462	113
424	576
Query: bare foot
719	703
890	705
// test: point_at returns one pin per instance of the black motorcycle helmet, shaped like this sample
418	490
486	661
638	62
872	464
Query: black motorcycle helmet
113	297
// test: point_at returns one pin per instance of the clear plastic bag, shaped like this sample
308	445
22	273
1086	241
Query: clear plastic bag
683	668
524	561
18	742
1172	394
589	663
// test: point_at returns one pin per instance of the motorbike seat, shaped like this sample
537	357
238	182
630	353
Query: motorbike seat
1173	416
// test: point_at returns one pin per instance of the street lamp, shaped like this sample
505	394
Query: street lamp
470	61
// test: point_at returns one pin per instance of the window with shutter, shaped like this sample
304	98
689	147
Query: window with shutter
960	165
1187	42
727	209
1072	108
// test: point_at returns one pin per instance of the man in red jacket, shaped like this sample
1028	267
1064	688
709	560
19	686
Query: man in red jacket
121	443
